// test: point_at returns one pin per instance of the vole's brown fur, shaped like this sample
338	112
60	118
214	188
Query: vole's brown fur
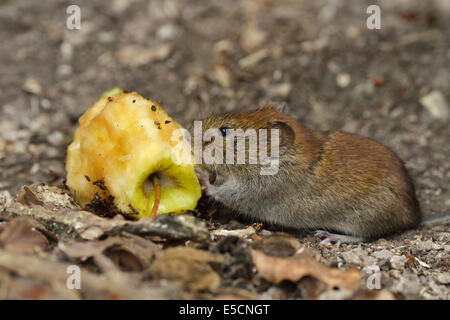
334	181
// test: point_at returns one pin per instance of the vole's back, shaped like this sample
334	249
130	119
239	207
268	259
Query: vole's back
362	188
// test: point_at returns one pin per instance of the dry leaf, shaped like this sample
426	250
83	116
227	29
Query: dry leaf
84	250
410	260
93	285
20	236
190	266
125	260
28	198
45	196
278	245
300	265
143	249
131	253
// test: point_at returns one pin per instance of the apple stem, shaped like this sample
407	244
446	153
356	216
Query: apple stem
157	197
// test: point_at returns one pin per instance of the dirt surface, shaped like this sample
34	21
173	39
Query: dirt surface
201	58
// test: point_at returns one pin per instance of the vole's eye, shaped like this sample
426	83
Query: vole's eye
223	130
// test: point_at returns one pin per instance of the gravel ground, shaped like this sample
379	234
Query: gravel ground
201	58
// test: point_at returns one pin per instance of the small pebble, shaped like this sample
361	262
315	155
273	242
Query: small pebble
398	262
343	80
436	105
383	256
443	278
425	245
31	85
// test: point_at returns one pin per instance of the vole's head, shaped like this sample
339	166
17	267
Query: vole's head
246	142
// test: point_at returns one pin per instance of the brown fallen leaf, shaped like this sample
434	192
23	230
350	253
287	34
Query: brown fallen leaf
131	253
93	285
36	225
125	260
410	260
45	196
300	265
20	236
28	198
378	81
107	265
143	250
192	267
84	250
278	245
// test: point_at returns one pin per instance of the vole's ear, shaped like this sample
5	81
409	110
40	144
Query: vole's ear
280	107
287	133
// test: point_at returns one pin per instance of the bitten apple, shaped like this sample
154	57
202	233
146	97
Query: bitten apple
123	144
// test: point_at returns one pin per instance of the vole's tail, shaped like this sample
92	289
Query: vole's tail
434	218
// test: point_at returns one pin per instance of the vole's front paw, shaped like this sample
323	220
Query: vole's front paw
203	177
207	188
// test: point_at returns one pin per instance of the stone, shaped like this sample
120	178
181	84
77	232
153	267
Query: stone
31	85
241	233
280	90
398	262
355	256
252	37
425	245
409	286
5	199
92	233
436	105
136	56
443	278
254	58
343	80
383	256
221	75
